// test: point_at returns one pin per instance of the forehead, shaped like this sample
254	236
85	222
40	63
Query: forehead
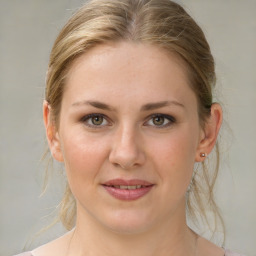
128	69
129	54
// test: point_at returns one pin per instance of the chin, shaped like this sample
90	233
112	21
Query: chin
128	223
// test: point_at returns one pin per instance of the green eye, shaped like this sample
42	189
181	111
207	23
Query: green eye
158	120
97	120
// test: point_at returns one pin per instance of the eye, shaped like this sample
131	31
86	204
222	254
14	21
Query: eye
160	120
94	120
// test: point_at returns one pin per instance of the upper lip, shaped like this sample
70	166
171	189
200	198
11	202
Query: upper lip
122	182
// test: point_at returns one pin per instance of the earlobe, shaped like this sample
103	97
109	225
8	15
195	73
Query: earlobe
51	133
210	133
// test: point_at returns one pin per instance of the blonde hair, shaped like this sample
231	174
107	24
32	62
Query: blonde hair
159	22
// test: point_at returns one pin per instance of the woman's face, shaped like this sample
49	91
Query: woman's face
129	135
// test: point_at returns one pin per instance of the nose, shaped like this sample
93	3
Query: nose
127	149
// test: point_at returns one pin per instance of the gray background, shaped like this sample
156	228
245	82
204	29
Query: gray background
27	31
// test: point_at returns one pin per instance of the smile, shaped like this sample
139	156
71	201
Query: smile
127	189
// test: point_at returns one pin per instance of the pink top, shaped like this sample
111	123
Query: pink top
227	253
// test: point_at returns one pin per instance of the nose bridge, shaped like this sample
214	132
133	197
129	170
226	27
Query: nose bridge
126	148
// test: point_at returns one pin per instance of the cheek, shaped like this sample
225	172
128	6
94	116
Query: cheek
83	158
176	150
174	160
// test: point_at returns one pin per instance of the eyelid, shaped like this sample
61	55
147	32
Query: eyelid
171	120
85	119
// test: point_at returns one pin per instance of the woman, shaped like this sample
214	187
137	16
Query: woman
129	112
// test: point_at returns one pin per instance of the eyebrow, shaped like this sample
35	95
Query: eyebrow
96	104
146	107
152	106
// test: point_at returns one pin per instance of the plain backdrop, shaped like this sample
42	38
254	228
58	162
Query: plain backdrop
27	31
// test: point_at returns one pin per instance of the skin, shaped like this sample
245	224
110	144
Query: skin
129	143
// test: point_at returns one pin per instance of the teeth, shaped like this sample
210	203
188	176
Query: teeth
128	187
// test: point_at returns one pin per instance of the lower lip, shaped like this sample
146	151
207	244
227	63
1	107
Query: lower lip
128	194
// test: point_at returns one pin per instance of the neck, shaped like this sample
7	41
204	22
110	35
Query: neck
172	237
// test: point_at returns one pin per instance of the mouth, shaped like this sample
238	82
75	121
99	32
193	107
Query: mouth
128	189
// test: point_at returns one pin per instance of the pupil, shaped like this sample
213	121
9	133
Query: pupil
158	120
97	120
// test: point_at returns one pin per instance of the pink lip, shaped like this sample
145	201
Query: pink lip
127	194
121	182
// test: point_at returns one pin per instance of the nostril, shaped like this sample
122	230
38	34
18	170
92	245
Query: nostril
126	153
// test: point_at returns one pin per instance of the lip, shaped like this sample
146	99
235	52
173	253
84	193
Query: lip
127	194
122	182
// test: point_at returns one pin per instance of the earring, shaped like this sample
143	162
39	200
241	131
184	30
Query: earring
203	154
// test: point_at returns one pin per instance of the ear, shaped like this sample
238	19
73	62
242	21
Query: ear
210	133
52	133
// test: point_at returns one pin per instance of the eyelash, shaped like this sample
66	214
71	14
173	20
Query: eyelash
86	119
170	120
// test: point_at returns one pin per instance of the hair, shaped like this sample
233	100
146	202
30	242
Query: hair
162	23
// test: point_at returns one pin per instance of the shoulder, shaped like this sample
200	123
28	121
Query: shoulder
230	253
208	248
53	248
58	247
24	254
